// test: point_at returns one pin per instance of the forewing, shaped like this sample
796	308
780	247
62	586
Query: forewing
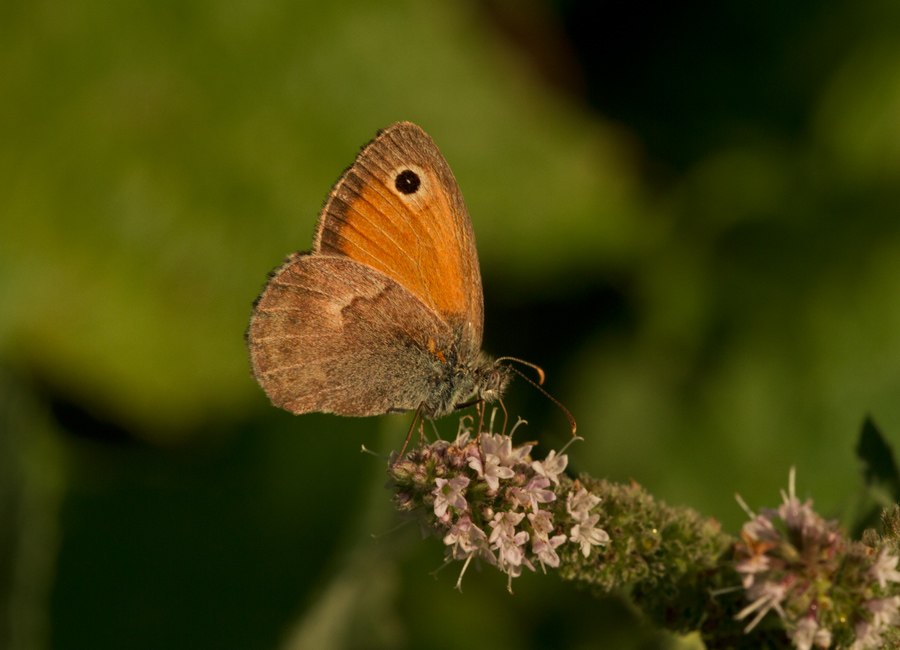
413	229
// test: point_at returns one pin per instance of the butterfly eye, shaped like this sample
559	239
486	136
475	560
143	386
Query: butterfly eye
407	181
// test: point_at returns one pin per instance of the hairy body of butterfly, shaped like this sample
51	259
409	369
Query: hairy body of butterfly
386	312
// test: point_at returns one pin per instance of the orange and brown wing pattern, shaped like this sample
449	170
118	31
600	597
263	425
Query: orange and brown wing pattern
398	210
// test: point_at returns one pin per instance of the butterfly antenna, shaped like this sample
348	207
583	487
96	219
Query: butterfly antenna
546	394
536	368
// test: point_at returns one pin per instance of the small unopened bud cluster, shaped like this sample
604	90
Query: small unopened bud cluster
828	590
492	502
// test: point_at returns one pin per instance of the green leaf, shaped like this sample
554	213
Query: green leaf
880	469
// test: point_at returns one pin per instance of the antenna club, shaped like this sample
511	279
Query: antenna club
533	366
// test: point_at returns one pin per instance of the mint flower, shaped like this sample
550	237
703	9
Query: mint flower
580	504
790	578
542	544
490	469
449	493
883	619
508	541
885	568
489	500
500	446
808	634
533	493
825	588
586	535
546	551
766	596
551	467
465	540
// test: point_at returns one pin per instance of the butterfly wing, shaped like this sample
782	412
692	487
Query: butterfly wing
398	210
329	334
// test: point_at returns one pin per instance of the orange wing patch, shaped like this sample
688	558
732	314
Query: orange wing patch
422	255
399	211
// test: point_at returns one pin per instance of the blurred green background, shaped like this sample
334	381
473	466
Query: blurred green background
688	213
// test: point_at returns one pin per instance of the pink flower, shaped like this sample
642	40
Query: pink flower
884	617
449	493
504	523
491	470
884	610
541	523
885	568
533	493
508	542
552	466
545	551
751	566
587	535
767	596
760	528
579	505
808	633
465	539
497	445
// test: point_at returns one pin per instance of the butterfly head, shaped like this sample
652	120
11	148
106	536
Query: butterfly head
491	378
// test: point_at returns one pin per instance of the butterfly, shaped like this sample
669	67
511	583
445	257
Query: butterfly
386	312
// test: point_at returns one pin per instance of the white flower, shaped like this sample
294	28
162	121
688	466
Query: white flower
822	638
545	551
510	548
808	633
497	445
508	542
761	529
541	543
462	438
802	636
449	493
552	466
884	610
501	446
533	493
867	635
751	566
587	535
466	539
518	455
801	517
885	568
504	523
541	524
491	470
767	595
885	617
580	505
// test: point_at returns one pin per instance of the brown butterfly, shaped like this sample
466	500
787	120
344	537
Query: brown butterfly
385	313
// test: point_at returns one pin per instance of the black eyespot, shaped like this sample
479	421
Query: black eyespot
407	181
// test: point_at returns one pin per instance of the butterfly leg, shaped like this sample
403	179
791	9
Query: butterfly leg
480	408
417	418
